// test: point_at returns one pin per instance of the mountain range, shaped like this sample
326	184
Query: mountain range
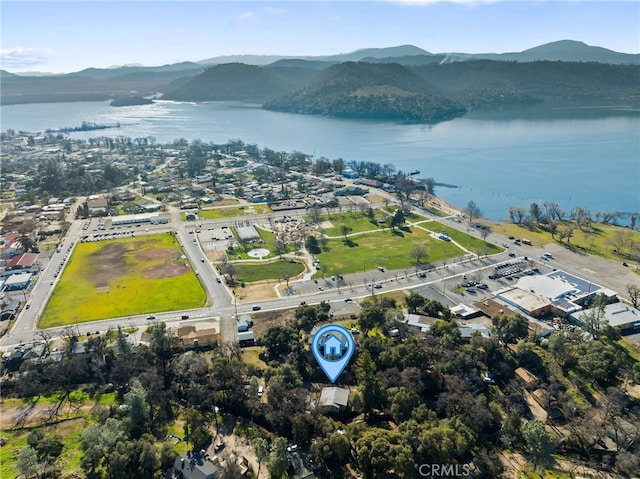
403	83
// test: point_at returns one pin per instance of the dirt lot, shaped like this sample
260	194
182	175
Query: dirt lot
109	262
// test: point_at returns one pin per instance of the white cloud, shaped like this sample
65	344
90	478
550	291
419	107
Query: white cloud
20	57
244	17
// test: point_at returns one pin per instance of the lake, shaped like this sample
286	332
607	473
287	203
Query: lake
587	157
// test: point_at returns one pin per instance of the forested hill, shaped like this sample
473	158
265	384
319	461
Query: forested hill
240	82
492	83
428	92
368	90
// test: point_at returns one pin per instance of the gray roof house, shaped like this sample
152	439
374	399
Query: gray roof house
333	399
194	465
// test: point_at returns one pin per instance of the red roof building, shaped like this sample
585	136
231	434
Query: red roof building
23	261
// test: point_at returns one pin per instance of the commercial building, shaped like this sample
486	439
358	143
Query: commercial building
618	315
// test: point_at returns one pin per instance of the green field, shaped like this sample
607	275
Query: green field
123	277
250	273
233	211
370	250
598	239
473	244
356	221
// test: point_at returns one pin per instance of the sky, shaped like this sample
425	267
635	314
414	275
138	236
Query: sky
60	37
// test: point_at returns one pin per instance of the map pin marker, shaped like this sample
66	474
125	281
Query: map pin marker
333	346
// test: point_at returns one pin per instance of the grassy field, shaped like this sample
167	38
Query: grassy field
384	248
123	277
473	244
232	211
250	273
599	239
241	252
356	221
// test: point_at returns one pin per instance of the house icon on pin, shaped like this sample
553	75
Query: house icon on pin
333	346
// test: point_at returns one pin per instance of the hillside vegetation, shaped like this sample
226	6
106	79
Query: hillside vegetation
367	90
426	92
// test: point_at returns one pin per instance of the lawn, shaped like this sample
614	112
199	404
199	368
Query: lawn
383	248
241	252
473	244
123	277
356	221
598	239
249	273
232	211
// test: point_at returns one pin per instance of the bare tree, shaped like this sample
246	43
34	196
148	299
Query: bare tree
484	232
315	211
419	254
634	295
46	338
516	214
566	233
554	211
472	211
430	184
610	217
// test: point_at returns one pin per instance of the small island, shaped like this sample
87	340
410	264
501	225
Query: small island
131	101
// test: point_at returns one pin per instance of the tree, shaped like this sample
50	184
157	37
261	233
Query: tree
160	345
599	363
414	302
430	184
136	400
535	213
196	429
510	328
371	392
47	446
278	458
98	441
311	243
27	243
28	463
594	318
383	453
344	231
472	211
554	212
403	402
261	448
516	214
397	219
419	254
634	295
539	441
566	233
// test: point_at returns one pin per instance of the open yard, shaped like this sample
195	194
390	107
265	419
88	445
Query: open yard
123	277
275	270
233	211
612	242
384	248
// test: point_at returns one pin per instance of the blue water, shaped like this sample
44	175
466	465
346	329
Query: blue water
591	161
